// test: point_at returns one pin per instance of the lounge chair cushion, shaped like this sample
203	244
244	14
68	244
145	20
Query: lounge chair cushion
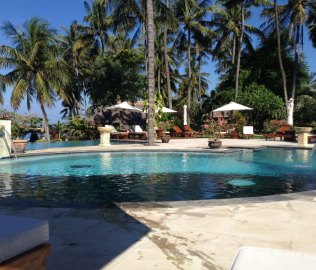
250	258
19	234
137	128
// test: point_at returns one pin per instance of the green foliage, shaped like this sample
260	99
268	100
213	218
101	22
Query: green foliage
80	128
305	110
118	77
265	104
21	124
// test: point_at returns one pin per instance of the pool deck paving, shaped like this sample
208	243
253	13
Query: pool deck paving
174	235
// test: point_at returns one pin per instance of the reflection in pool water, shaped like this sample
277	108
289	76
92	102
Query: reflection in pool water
107	177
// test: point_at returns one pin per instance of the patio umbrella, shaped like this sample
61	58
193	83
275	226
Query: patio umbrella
185	119
232	106
164	110
121	107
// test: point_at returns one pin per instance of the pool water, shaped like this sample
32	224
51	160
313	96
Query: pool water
46	145
142	176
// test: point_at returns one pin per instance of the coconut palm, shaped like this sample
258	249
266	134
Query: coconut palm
99	21
227	29
244	6
78	51
35	69
193	24
312	24
151	72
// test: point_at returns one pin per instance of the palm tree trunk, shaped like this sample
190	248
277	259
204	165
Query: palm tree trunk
277	28
45	123
189	78
297	45
199	82
234	50
240	49
165	51
151	73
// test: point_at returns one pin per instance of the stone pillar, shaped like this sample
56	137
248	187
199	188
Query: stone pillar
5	138
302	135
105	135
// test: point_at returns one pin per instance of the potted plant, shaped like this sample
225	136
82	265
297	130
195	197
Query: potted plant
164	131
216	129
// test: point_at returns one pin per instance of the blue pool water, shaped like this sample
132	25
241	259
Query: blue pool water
46	145
107	177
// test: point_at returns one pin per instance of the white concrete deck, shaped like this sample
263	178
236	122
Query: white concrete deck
183	235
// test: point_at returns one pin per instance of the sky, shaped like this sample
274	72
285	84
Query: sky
61	13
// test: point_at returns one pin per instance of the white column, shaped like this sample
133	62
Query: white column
5	138
105	133
185	120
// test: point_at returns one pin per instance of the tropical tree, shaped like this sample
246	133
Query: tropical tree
243	6
78	51
99	21
193	25
35	69
151	72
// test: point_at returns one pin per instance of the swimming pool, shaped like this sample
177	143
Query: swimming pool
154	176
46	145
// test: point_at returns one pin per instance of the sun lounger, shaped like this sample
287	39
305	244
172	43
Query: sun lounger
191	132
138	133
248	132
255	258
176	131
18	235
280	133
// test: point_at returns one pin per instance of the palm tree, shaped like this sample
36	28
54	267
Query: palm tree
36	71
99	20
78	51
227	30
192	25
243	6
151	72
312	24
293	16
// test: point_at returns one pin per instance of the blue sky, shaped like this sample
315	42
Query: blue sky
61	13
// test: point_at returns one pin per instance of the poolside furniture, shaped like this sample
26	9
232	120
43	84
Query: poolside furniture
188	129
176	131
248	132
137	133
280	133
19	235
250	258
115	134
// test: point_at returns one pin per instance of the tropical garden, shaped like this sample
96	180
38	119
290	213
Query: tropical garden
159	50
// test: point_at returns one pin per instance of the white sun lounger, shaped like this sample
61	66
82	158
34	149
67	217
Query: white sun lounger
19	234
255	258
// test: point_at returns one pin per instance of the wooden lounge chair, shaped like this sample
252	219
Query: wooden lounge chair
280	133
191	132
176	132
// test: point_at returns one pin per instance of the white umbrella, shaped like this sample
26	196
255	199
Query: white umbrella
232	106
167	110
164	110
185	121
123	106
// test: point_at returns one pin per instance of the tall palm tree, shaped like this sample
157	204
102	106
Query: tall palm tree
151	72
244	6
99	21
312	24
193	23
36	71
78	51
